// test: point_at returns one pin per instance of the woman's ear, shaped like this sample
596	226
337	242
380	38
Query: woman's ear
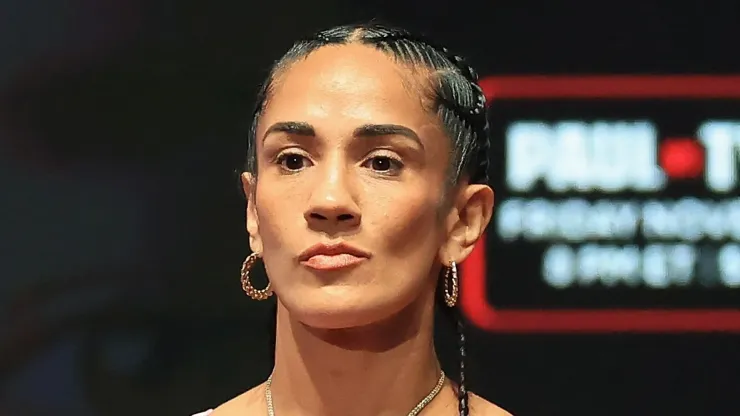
249	184
467	222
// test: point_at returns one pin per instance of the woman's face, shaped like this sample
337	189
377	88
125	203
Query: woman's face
350	188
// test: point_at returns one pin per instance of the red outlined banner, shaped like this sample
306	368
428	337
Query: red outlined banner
474	299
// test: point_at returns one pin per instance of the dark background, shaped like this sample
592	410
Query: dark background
121	123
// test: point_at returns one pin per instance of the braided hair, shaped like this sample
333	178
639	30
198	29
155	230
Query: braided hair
455	96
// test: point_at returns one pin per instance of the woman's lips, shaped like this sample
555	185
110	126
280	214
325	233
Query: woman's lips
326	262
332	256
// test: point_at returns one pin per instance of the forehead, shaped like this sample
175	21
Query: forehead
351	82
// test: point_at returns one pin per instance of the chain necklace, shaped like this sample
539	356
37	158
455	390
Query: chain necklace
415	411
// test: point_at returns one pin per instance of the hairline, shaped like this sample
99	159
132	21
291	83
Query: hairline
417	78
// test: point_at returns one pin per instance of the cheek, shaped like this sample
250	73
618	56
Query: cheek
279	210
407	224
279	229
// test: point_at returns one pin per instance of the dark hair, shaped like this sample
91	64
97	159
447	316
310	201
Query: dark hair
453	92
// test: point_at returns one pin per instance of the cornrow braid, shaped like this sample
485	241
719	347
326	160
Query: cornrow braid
454	94
470	111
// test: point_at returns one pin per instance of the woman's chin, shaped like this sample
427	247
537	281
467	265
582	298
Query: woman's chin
342	308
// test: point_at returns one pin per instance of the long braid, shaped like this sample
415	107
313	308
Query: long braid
462	391
456	320
475	118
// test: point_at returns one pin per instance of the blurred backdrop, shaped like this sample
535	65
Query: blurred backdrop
122	228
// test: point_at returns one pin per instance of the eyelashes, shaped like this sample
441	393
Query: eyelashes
384	164
380	162
293	161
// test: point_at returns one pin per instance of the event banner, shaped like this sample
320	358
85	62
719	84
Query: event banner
617	206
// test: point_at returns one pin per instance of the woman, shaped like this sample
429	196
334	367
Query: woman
366	186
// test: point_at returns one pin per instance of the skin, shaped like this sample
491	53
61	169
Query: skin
357	340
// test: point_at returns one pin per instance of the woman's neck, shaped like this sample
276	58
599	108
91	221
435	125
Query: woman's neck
382	369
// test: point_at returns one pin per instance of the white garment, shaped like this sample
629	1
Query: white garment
206	413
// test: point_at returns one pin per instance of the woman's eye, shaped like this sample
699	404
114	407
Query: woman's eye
384	164
293	162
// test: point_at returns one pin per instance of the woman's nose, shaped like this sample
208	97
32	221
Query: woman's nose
332	203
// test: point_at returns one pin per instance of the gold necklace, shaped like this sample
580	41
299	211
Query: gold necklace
415	411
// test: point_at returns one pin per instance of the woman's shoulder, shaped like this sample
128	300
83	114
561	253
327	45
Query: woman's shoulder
482	407
250	402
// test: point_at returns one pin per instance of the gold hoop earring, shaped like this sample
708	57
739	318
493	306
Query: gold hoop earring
451	280
256	294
